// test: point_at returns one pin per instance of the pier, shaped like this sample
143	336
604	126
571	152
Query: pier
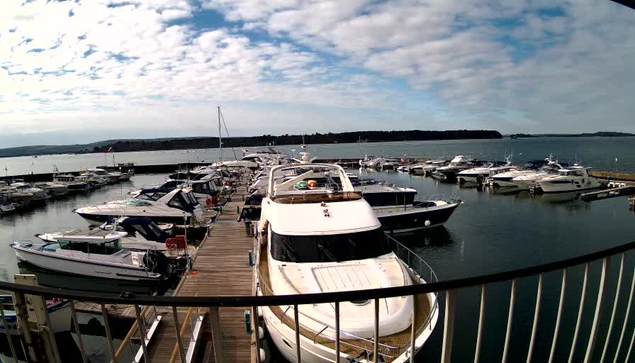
220	268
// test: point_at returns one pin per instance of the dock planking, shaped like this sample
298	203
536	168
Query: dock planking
221	268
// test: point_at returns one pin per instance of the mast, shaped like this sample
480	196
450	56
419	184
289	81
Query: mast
220	136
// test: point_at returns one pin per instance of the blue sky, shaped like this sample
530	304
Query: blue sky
81	71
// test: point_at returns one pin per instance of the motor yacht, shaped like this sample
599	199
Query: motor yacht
427	167
481	173
178	206
529	180
321	238
102	175
37	195
456	165
416	216
53	189
574	178
72	183
202	189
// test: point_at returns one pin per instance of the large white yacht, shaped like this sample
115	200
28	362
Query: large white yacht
529	180
318	237
571	179
178	206
481	173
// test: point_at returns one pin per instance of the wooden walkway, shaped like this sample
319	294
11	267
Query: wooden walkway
221	267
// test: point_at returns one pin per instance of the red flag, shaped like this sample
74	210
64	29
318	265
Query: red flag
110	149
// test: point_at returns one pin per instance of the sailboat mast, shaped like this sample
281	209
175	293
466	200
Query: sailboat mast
220	136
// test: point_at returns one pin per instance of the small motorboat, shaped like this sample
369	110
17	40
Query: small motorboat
53	189
95	256
73	184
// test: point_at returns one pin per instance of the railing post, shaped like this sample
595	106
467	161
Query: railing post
628	311
142	334
80	340
177	329
337	332
617	298
534	328
19	301
599	306
448	328
298	349
217	338
556	330
49	331
580	310
413	328
6	331
510	320
111	347
481	324
376	333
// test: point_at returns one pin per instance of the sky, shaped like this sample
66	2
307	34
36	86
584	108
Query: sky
83	71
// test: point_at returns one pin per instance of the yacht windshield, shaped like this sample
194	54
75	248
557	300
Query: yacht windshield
329	248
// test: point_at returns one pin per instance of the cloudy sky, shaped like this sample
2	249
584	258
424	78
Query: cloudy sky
79	71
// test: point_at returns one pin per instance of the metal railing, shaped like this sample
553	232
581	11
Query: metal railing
599	343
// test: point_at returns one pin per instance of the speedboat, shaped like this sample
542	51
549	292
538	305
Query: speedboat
572	179
481	173
58	310
178	206
203	189
456	165
99	257
427	167
6	207
318	238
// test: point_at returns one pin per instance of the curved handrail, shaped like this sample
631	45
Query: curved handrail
318	298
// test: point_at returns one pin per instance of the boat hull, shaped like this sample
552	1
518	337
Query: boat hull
568	188
410	219
98	219
83	268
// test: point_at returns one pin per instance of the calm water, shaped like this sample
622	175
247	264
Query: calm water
600	153
489	233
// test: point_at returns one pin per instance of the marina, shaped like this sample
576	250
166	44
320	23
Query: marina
225	261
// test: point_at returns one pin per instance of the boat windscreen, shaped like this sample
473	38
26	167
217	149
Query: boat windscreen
329	248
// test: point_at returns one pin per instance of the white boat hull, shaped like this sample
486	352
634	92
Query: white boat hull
84	268
569	187
284	338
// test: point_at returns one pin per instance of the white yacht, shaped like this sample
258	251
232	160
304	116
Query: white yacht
178	206
481	173
529	180
72	183
321	238
456	165
38	195
427	167
53	189
102	175
571	179
96	257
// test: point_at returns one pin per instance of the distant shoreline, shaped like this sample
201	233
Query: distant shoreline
594	134
183	143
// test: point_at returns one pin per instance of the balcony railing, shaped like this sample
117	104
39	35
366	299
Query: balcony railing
597	347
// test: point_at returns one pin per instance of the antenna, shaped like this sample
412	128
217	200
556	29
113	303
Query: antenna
220	136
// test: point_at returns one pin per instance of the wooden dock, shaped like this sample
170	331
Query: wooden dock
627	189
221	267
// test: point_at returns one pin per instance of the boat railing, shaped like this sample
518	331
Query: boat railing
602	331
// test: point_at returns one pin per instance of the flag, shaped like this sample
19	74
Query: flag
110	149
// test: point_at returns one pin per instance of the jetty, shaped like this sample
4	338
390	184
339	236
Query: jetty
220	267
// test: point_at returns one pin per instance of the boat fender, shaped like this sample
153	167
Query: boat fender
261	333
427	223
263	355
